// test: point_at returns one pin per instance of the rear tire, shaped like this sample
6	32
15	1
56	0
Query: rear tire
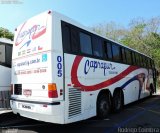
118	101
103	106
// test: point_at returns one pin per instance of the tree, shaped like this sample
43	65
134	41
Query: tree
5	33
110	30
142	35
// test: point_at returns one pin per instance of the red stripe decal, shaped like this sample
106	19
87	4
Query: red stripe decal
75	81
17	42
36	35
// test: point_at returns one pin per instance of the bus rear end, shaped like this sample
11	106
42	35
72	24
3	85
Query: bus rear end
36	93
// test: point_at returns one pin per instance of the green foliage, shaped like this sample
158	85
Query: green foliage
110	30
4	33
142	35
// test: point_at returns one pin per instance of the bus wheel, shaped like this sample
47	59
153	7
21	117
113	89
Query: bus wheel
118	100
103	106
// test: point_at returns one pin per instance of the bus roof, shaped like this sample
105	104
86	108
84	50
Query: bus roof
5	40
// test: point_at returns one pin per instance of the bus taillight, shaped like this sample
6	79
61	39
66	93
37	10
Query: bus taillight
52	91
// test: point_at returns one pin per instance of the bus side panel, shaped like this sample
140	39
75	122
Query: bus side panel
85	80
58	59
5	86
5	80
79	104
136	89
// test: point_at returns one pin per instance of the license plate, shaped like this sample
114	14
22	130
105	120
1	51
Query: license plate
25	106
27	92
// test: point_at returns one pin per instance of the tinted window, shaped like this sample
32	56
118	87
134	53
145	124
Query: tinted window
133	58
66	39
123	55
8	55
152	63
145	61
137	59
108	50
140	60
74	40
97	47
116	52
85	43
149	63
128	56
2	53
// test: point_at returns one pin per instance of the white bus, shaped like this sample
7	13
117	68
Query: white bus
62	72
5	71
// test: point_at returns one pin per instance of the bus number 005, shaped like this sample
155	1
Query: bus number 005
59	66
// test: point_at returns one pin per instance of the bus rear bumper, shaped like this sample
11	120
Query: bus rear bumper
51	112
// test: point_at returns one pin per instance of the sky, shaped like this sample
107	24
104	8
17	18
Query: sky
86	12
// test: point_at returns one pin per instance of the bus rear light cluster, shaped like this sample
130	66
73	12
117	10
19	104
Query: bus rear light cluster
18	89
61	92
45	105
52	91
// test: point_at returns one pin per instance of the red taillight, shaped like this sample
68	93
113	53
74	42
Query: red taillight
11	89
45	105
52	91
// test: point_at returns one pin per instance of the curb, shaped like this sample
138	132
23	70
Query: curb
5	111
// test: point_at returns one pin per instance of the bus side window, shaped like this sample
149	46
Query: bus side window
8	55
116	52
152	64
133	58
108	50
140	60
2	53
123	55
142	63
85	43
149	63
74	40
97	47
66	39
137	59
128	56
145	61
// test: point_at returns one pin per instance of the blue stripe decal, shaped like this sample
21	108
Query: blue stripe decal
131	80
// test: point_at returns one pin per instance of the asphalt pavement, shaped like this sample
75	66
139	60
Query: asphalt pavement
141	116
